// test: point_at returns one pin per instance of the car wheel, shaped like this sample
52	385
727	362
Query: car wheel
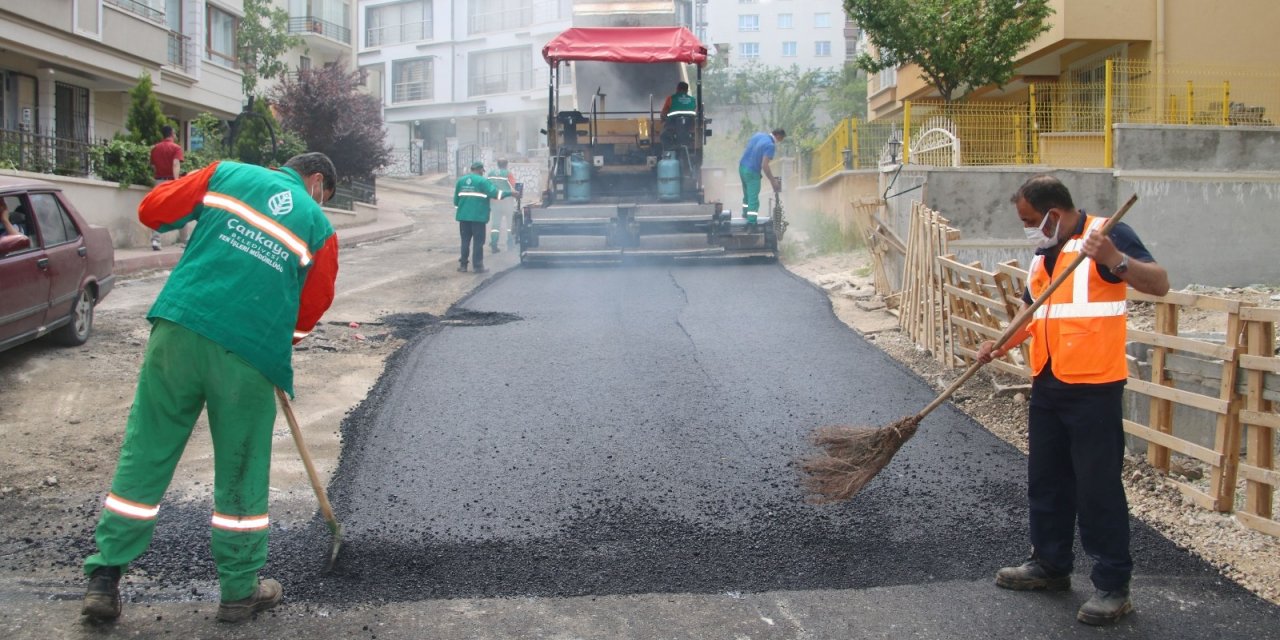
77	331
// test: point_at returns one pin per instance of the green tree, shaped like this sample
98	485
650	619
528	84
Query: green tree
847	94
263	38
959	45
145	117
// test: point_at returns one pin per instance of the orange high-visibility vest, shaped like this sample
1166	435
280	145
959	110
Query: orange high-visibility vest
1083	325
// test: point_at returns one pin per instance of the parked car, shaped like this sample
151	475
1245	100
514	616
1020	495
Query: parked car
54	266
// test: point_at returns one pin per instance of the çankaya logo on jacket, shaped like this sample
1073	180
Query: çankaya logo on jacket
281	203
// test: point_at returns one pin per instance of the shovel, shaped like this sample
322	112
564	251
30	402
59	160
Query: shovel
325	509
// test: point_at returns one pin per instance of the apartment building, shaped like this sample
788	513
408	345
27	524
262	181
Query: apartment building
66	66
777	33
1178	41
466	71
327	31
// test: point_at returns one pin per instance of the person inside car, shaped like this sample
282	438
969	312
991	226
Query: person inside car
12	227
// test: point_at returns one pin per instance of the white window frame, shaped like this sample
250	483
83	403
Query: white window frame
749	50
400	91
822	20
792	46
818	47
788	23
748	22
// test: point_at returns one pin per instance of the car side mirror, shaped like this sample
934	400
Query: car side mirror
13	243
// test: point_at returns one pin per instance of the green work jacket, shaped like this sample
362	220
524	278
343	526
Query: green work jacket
471	196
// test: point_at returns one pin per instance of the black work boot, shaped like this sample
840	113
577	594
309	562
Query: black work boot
1032	575
1105	607
479	269
268	595
462	267
102	599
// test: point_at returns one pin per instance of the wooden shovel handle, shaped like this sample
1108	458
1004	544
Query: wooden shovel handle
1023	315
325	509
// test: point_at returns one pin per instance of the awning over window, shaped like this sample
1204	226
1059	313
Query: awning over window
630	44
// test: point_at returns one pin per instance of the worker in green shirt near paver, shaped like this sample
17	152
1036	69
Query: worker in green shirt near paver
471	196
257	274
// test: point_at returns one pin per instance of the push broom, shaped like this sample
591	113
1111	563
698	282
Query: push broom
853	455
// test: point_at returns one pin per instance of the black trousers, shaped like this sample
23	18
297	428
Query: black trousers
472	234
1076	441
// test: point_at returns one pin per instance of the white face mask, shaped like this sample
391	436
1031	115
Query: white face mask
1037	235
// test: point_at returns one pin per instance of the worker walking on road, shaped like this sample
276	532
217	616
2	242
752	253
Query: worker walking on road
498	176
1076	431
471	196
755	165
256	276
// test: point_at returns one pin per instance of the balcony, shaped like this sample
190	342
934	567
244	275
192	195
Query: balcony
313	26
397	34
411	91
180	52
140	8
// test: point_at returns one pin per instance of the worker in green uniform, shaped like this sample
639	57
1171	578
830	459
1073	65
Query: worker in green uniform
255	278
680	103
502	177
471	196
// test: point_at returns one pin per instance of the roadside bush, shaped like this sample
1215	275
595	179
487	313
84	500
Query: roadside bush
122	161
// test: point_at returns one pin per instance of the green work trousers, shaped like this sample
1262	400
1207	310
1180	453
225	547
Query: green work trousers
750	190
182	373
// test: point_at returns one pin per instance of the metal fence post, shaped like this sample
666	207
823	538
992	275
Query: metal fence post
853	141
1191	103
1226	102
906	132
1108	144
1034	129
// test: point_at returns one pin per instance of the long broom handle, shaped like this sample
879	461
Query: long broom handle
1022	316
325	509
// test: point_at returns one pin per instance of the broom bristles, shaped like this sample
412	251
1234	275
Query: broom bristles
851	457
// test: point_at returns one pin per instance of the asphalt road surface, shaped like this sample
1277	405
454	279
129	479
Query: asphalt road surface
623	439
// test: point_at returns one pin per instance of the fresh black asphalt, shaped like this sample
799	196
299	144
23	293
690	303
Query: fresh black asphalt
603	431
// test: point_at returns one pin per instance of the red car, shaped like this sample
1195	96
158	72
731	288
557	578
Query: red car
54	267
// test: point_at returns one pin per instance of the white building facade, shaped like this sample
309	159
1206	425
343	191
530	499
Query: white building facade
458	76
811	34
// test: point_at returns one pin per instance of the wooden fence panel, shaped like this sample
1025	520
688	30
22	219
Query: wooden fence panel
981	306
1259	367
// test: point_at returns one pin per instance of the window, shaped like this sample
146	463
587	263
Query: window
822	48
500	71
888	77
220	42
55	225
821	21
749	50
748	23
484	16
784	21
399	22
789	49
411	80
152	10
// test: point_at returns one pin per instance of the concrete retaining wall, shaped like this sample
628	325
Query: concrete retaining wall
1196	148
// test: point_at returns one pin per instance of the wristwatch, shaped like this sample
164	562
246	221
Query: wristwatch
1123	266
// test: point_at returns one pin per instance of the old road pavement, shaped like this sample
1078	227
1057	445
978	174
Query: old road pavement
608	453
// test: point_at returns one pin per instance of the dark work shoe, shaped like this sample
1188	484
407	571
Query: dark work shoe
268	595
1032	576
480	269
494	248
462	268
102	599
1105	607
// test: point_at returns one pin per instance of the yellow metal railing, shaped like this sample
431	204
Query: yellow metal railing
1064	123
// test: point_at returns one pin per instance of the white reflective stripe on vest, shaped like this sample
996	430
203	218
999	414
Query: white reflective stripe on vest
301	334
472	194
682	113
240	523
261	222
1082	310
130	509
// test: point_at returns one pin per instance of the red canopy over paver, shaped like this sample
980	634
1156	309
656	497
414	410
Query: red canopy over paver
630	44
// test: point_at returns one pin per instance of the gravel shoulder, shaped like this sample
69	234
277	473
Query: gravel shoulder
1247	557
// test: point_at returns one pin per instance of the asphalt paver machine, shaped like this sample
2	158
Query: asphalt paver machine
622	179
